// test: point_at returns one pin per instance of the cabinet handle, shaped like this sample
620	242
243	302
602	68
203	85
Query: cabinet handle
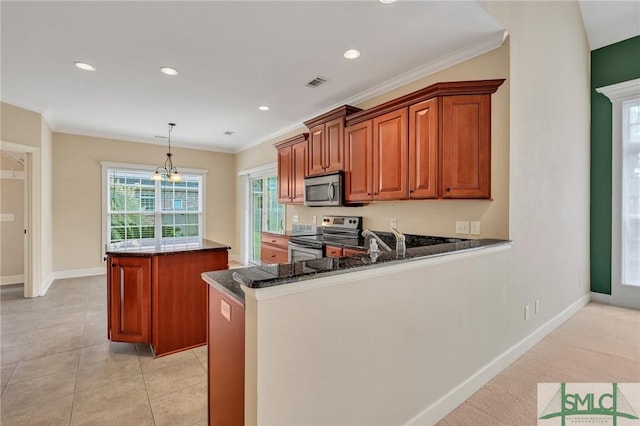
273	255
410	191
448	189
368	193
273	241
113	265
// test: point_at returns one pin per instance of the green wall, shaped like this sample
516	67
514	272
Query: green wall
611	64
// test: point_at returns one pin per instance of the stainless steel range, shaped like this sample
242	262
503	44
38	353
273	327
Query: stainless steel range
335	230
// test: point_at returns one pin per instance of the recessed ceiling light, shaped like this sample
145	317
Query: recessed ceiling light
84	66
387	1
264	107
351	54
169	71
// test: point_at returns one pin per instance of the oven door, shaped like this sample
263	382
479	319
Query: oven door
299	252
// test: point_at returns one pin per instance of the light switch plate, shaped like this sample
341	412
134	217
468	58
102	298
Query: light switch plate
296	218
225	310
314	219
6	217
462	227
394	222
475	228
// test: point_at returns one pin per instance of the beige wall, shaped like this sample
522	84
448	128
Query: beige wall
19	125
11	233
432	217
77	201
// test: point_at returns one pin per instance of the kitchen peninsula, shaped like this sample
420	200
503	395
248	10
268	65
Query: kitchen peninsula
319	341
155	294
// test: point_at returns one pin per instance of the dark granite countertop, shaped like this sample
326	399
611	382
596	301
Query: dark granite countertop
230	281
156	246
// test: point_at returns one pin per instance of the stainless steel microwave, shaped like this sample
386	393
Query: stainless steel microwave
325	190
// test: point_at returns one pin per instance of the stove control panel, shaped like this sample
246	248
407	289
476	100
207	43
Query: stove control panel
351	222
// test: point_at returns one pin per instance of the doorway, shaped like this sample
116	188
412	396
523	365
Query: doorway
29	157
265	213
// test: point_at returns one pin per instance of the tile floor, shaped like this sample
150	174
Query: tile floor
58	368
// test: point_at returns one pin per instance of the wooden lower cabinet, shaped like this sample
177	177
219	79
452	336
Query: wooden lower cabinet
225	360
129	300
160	299
333	251
274	248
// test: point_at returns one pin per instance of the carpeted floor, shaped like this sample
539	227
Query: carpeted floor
599	344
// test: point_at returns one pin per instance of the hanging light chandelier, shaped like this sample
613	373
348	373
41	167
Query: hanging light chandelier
168	170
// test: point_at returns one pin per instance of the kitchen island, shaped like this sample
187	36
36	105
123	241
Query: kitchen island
155	294
339	340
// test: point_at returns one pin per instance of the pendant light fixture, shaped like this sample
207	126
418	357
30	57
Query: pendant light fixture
168	171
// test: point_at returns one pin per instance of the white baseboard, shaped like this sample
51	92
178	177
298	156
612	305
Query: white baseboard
12	279
605	299
439	409
71	273
46	284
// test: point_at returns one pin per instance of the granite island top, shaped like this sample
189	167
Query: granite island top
159	246
230	281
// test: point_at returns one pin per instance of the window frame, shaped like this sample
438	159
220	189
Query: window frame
107	165
619	93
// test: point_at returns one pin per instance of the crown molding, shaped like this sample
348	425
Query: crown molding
620	91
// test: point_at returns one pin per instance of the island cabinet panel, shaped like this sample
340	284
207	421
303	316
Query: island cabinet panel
352	252
292	169
466	146
332	251
179	299
423	149
225	360
390	156
129	302
358	185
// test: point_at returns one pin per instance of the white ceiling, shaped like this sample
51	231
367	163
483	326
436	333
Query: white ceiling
232	56
609	22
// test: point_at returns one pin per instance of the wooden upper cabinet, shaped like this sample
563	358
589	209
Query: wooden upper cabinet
284	175
326	141
466	146
390	156
299	171
358	174
292	169
423	149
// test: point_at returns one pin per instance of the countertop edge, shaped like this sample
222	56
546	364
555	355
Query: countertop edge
224	290
329	279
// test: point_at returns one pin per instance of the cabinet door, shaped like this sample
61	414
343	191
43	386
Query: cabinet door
299	171
130	299
334	145
317	150
466	146
423	149
358	162
390	156
284	175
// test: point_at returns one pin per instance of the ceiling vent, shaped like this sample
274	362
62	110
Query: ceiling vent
316	82
229	132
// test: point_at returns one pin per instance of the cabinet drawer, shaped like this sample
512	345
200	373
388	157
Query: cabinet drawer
332	251
276	240
352	252
273	254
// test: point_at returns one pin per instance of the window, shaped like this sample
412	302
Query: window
631	192
138	207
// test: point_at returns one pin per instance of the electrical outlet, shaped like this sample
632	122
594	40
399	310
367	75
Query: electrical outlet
475	228
6	217
394	222
314	219
462	227
536	307
296	218
225	310
526	313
